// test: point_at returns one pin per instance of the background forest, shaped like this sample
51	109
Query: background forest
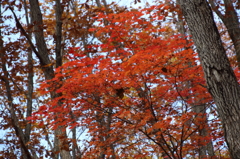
98	79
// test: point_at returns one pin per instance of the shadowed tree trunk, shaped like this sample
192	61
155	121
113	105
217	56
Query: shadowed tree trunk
230	20
30	81
220	78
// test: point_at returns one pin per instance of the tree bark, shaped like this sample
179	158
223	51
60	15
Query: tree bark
221	81
30	81
207	149
58	39
230	20
47	66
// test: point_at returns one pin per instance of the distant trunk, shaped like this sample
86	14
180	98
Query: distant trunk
220	78
103	120
206	150
30	81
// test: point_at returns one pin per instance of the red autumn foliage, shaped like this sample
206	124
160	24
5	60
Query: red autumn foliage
134	89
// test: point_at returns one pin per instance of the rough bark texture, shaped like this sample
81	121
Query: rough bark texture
206	150
36	17
221	81
230	20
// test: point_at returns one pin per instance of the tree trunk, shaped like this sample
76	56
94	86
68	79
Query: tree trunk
220	78
47	67
230	20
30	81
11	107
207	149
14	119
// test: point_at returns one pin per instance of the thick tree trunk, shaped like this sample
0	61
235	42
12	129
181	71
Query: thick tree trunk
207	149
220	78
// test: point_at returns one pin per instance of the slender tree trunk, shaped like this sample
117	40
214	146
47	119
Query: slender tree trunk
42	54
30	86
104	121
108	128
30	81
58	34
220	78
14	119
206	150
230	20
